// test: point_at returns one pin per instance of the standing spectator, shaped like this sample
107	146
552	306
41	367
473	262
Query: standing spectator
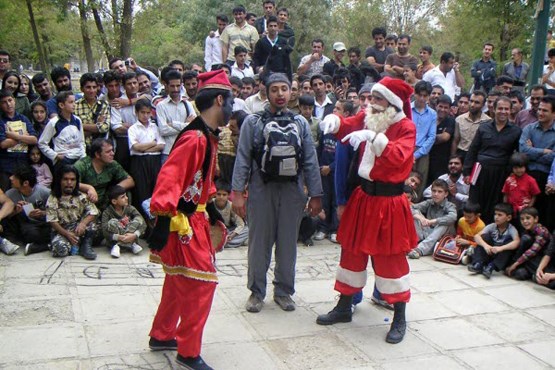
517	69
548	77
5	64
239	33
377	54
530	115
11	82
284	30
463	104
357	77
271	52
190	83
227	145
322	103
42	86
240	68
213	44
335	63
394	63
426	65
259	101
447	75
93	112
518	101
520	189
313	63
261	23
492	146
62	81
467	124
445	128
437	91
122	67
503	85
71	216
484	70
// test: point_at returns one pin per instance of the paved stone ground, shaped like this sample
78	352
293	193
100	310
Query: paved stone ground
76	314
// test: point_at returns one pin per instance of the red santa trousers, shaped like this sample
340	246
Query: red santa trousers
188	301
391	271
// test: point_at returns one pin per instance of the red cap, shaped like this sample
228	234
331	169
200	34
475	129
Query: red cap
396	92
214	80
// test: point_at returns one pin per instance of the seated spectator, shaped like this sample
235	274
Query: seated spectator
63	138
458	189
99	171
11	82
433	218
71	215
145	146
7	207
122	224
495	243
545	273
520	189
16	133
467	228
36	160
533	242
27	223
238	232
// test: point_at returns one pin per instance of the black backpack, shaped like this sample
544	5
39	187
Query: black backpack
279	156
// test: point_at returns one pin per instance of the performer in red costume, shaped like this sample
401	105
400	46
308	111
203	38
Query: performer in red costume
180	241
377	220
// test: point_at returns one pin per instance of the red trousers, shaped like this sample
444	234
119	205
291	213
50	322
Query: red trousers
392	275
187	302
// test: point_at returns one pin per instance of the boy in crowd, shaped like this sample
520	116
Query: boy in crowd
238	232
433	218
545	274
71	215
122	224
495	243
535	238
520	189
306	105
467	228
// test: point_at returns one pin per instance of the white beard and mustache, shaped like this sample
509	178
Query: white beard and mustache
378	118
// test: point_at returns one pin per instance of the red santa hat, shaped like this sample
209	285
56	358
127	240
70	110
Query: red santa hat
396	92
213	80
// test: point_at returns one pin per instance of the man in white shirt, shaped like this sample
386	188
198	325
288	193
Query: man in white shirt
446	75
313	63
213	44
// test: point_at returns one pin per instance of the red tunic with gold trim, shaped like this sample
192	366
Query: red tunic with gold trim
188	251
380	225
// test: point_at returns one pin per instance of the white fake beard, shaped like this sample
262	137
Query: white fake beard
381	119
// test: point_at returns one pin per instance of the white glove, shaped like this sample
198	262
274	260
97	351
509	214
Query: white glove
330	124
357	137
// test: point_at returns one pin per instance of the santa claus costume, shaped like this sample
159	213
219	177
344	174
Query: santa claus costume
377	220
180	241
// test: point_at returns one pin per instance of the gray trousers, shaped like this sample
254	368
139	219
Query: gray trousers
274	215
239	239
429	236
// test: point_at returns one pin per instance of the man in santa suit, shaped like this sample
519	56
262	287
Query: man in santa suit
180	241
377	220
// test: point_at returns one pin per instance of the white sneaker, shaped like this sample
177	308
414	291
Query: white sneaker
136	248
319	236
333	238
115	252
8	247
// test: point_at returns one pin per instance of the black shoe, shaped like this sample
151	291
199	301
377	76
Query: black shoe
308	242
335	316
475	267
488	271
85	249
162	345
195	363
398	326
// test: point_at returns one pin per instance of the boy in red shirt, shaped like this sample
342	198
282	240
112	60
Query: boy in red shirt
520	189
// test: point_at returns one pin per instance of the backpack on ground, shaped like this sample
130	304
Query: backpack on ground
448	251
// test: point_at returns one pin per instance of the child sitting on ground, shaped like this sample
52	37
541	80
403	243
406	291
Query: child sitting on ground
495	243
520	189
467	228
122	224
238	232
36	159
433	218
534	240
545	274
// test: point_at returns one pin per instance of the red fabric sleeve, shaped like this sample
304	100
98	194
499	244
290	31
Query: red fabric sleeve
400	148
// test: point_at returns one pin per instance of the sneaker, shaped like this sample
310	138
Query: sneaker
414	254
162	345
27	249
319	235
488	270
194	363
466	260
285	302
254	304
8	247
381	303
475	267
136	248
115	252
333	238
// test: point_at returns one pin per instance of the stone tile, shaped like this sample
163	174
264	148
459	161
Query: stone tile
244	356
49	365
146	360
314	291
424	363
118	337
450	334
542	350
494	357
36	312
478	281
26	289
469	302
305	352
420	265
546	314
422	306
513	326
523	296
115	307
227	327
366	314
371	342
30	343
434	281
272	322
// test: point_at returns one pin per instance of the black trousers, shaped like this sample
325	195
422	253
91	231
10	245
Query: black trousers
500	260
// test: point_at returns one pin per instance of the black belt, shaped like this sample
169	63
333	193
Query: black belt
381	189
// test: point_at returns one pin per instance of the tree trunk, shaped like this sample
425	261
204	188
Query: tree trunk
85	34
126	29
103	38
42	59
